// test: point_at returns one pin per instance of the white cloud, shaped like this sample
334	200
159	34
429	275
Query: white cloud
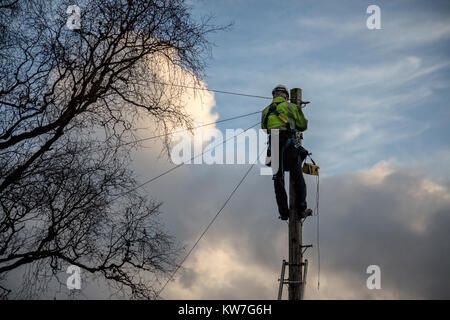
403	33
376	174
340	27
391	74
217	270
397	33
180	89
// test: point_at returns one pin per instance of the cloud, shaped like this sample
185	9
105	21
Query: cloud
339	27
216	273
390	215
175	86
359	111
398	31
412	32
387	74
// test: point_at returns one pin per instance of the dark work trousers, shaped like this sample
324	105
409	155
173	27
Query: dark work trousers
292	163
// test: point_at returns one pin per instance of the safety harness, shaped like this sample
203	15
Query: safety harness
289	126
308	168
273	110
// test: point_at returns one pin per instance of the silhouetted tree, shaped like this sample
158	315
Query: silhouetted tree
69	101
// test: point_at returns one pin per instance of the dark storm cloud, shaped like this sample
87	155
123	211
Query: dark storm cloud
400	223
364	225
392	216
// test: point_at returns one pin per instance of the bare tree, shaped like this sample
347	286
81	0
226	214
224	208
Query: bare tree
69	100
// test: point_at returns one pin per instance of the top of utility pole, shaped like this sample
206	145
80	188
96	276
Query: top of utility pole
296	96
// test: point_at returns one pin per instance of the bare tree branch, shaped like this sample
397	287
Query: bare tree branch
58	89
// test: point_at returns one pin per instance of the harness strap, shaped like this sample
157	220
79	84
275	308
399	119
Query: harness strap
288	142
272	109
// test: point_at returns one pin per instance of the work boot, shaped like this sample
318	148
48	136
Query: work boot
284	215
283	211
306	213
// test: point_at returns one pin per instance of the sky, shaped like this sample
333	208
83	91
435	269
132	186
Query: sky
378	129
375	94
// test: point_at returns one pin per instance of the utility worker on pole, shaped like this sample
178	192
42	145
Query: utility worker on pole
288	118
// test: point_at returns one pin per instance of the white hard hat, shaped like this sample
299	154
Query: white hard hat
280	87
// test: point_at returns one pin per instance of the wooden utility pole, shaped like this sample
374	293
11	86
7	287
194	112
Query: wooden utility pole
297	268
295	230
